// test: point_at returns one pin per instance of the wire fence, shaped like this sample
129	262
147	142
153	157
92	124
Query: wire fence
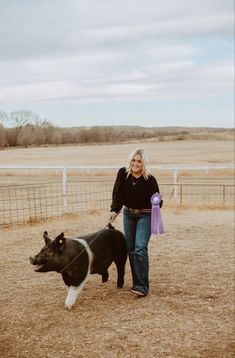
27	203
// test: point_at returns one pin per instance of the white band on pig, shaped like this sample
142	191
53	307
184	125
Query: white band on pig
74	291
88	250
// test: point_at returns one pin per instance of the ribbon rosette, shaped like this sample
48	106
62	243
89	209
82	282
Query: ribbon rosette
156	218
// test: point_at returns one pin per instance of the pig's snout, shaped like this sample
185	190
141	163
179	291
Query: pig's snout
39	267
31	260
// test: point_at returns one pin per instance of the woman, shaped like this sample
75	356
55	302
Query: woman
133	189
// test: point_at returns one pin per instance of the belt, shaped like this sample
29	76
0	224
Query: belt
138	211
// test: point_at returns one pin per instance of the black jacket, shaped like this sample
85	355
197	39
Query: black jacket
131	192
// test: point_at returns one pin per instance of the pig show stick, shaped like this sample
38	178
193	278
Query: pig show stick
77	256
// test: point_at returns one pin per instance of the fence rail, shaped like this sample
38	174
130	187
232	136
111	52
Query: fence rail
26	203
59	195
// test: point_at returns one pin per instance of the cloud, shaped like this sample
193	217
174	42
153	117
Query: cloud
167	80
53	28
115	51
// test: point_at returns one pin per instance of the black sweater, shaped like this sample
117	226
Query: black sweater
135	196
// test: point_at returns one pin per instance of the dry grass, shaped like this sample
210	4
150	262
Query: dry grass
186	152
178	152
188	313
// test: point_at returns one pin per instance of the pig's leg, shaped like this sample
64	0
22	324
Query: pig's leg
74	291
105	276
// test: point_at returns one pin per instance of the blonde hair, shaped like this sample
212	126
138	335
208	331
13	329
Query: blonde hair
143	156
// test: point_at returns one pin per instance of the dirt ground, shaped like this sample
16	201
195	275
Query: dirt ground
175	152
188	313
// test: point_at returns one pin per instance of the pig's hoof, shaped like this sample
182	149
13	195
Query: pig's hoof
68	307
69	304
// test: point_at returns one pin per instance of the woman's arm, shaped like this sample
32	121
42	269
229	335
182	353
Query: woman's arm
117	196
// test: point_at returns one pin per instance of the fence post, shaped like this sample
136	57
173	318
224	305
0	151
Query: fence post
223	194
181	194
175	185
65	199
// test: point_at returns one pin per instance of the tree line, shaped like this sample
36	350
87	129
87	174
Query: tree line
25	128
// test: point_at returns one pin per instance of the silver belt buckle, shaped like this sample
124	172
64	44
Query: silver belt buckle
134	211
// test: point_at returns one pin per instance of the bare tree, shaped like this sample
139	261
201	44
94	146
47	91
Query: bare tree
2	136
39	136
19	119
49	130
57	137
3	117
26	136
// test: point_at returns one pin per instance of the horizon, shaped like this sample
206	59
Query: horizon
148	127
147	63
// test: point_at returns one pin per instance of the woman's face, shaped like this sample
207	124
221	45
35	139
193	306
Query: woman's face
136	165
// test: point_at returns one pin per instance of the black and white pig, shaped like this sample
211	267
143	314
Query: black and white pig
75	258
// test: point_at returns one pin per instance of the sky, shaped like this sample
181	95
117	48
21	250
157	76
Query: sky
151	63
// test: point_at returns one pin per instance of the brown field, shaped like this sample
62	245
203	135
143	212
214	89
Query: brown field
198	152
184	152
189	311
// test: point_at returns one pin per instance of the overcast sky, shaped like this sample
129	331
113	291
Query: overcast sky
117	62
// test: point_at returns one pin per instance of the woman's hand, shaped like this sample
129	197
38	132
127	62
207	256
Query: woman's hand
113	216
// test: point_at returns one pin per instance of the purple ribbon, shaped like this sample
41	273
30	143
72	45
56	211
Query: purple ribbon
156	218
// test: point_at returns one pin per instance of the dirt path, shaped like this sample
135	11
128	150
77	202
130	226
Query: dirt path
188	312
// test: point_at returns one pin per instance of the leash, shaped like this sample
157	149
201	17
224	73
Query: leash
77	256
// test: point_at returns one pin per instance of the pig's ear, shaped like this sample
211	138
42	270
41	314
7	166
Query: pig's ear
60	242
46	238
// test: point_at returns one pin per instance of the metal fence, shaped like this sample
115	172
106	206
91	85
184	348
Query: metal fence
28	203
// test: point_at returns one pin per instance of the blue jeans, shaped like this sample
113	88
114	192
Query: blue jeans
137	230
